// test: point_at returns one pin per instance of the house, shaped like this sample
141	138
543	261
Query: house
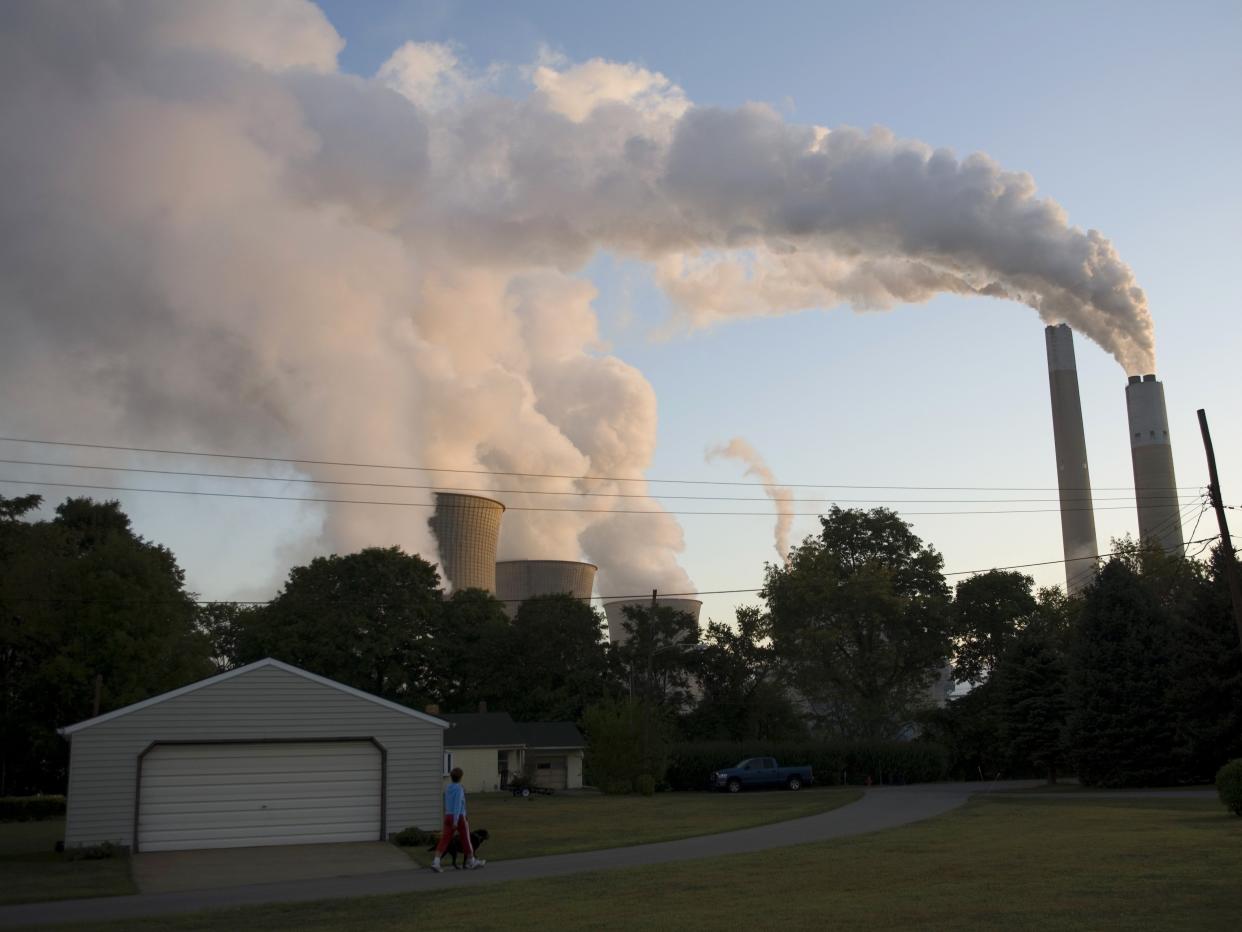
490	747
266	754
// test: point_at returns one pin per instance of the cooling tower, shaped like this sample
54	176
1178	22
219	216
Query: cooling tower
1073	478
519	580
1155	485
467	528
616	616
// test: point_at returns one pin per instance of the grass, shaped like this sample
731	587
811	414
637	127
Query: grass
1009	863
32	872
525	828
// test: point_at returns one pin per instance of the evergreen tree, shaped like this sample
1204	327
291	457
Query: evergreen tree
1122	727
1033	679
1207	691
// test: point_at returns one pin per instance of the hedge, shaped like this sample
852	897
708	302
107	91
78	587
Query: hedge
31	808
833	762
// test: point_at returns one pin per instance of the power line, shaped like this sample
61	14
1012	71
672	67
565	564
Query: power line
646	597
641	495
535	475
589	511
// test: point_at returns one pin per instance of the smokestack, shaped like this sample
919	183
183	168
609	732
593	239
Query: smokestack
467	529
1155	485
1073	477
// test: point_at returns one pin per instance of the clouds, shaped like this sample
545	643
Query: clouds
213	237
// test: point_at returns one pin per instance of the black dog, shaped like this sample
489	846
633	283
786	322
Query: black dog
454	846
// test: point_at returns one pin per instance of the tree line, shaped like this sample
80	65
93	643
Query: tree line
1139	680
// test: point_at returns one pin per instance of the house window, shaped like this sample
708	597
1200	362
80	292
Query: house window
543	765
502	761
448	762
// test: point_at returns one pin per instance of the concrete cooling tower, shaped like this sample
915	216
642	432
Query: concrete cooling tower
467	528
519	580
1073	477
614	611
1155	485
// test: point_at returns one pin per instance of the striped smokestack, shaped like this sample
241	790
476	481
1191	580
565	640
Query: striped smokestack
1155	485
1073	477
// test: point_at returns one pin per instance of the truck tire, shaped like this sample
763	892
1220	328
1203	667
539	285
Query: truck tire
794	783
735	785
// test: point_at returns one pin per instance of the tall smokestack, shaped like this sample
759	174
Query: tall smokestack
467	529
1073	478
1155	485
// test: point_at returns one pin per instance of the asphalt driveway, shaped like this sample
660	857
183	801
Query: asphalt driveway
214	868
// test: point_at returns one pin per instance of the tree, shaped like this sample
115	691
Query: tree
366	619
1033	680
991	609
470	650
654	660
1122	726
626	738
88	608
862	616
558	663
743	689
1207	678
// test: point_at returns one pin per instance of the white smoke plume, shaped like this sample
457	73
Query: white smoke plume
211	236
782	496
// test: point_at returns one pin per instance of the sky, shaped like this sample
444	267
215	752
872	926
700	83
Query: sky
1125	114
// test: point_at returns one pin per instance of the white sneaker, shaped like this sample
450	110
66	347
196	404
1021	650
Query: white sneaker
435	865
475	863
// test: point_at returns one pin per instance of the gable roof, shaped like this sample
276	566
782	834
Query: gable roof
239	671
482	729
552	735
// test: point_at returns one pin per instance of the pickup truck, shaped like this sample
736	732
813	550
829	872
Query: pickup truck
761	771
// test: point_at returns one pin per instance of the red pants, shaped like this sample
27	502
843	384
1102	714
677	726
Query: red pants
463	832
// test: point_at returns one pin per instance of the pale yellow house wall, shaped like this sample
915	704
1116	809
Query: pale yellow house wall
479	766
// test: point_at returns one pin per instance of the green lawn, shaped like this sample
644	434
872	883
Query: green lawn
1008	863
31	871
525	828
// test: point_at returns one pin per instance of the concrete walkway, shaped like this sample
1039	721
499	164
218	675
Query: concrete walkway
880	808
212	868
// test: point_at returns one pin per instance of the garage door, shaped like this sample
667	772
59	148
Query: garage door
238	795
551	772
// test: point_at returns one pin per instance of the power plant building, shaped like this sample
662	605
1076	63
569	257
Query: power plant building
519	580
467	530
1073	478
1155	485
615	612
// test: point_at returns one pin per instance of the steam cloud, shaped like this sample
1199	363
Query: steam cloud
209	235
782	496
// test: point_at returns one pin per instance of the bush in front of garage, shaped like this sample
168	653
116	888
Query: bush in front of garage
93	852
31	808
833	762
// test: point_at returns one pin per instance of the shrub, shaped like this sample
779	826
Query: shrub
414	837
1229	786
616	787
93	852
31	808
645	784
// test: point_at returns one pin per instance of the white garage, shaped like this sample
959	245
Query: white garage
266	754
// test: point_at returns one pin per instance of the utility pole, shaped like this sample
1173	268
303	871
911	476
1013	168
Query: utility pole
1226	542
98	693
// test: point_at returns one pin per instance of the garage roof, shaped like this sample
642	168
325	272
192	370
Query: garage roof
552	735
482	730
228	675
